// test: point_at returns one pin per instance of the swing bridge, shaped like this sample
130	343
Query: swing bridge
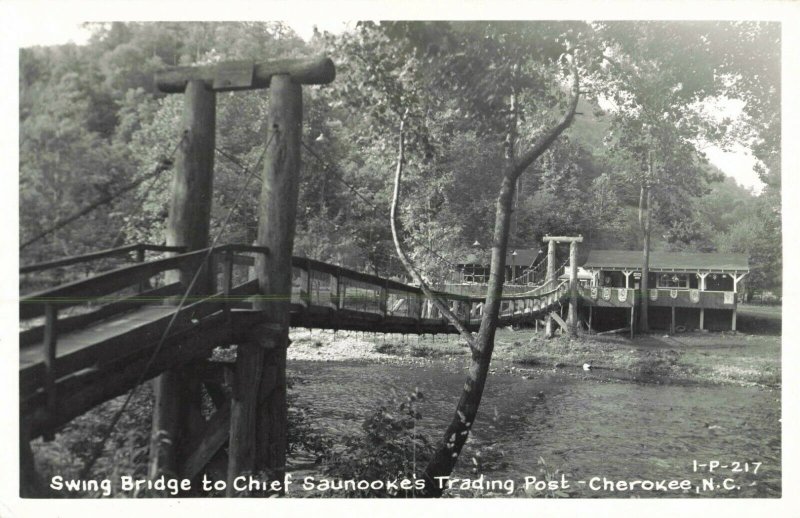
149	311
89	340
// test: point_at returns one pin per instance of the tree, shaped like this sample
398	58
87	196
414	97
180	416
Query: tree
656	85
481	345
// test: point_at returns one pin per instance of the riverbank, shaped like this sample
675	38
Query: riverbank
742	358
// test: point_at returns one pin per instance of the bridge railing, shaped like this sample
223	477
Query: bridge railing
122	251
66	269
51	312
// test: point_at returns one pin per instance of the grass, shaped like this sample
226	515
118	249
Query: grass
422	349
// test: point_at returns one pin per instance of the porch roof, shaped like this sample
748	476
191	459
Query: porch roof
678	261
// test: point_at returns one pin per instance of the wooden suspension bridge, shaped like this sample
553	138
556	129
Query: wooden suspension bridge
92	339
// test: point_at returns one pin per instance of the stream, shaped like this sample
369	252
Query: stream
580	424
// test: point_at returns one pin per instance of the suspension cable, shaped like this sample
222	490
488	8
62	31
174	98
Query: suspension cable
164	163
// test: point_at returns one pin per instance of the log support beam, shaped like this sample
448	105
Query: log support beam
177	396
551	281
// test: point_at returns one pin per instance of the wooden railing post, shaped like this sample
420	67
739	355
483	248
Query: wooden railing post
335	293
309	283
227	279
143	284
50	343
342	292
385	299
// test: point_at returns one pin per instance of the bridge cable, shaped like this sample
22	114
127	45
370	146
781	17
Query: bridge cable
97	450
164	163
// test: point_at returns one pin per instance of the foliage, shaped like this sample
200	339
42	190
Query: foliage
91	120
388	447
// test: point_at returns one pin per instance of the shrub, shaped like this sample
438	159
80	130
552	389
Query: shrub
389	447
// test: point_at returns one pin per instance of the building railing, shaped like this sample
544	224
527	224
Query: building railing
683	297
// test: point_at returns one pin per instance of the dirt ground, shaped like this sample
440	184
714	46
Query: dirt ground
749	357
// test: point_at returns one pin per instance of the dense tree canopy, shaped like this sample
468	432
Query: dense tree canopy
91	121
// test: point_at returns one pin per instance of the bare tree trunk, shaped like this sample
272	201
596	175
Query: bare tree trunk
446	456
482	345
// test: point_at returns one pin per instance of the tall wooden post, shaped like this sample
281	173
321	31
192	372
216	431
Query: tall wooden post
176	399
276	226
573	288
550	283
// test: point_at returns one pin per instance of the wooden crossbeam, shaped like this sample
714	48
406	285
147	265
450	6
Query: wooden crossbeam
563	239
230	76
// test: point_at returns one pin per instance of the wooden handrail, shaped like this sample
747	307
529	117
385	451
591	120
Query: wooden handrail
82	290
77	259
79	291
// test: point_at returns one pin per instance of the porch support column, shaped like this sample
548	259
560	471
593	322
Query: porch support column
736	279
702	283
702	318
627	275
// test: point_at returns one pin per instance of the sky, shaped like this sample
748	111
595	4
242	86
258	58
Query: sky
736	162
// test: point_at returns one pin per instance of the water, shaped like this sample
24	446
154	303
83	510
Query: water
581	425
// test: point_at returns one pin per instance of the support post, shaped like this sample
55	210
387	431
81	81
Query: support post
702	318
550	283
50	344
188	226
590	319
143	285
672	321
227	280
276	226
573	288
335	282
633	316
309	284
733	319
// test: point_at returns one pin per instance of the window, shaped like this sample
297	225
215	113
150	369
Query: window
673	280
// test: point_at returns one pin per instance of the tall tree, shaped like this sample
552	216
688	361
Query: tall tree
482	344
